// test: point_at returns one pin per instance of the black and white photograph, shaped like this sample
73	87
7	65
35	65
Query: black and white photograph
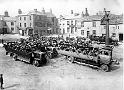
61	44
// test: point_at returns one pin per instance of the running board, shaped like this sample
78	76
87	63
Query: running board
86	64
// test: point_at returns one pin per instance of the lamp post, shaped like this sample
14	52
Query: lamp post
106	18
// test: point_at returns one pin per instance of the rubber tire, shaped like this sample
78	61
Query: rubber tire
15	57
50	55
71	59
36	63
104	67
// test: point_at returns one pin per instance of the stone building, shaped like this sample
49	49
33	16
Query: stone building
84	25
9	24
36	22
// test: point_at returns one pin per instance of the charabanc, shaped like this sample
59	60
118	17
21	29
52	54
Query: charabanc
93	56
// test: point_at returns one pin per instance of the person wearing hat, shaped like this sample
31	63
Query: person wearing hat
1	81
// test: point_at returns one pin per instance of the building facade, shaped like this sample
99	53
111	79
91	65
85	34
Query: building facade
8	24
86	25
36	22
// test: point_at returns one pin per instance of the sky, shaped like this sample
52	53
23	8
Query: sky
61	7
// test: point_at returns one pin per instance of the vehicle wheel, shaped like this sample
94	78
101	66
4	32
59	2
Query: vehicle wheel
50	55
36	63
7	53
15	57
71	59
104	67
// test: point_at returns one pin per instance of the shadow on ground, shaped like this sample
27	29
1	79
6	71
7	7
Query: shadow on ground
14	85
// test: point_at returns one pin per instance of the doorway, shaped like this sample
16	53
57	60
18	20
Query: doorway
121	37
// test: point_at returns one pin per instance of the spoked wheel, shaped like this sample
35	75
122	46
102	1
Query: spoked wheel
71	59
15	57
36	63
50	55
104	67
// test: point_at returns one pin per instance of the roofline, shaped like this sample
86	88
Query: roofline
112	24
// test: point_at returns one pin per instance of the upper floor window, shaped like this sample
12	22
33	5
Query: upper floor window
12	23
71	22
30	17
20	18
82	24
20	25
94	24
24	24
30	24
104	27
72	30
118	27
67	22
24	18
5	24
75	29
94	32
75	22
12	29
63	31
67	29
82	32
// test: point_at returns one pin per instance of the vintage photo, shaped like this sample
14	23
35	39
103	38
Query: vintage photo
61	44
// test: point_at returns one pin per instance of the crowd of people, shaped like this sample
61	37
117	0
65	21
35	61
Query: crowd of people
82	45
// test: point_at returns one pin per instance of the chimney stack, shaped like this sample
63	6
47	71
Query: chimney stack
82	14
43	11
19	11
35	10
72	12
6	14
51	11
86	12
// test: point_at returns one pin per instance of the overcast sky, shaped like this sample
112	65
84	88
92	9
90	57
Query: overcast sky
61	6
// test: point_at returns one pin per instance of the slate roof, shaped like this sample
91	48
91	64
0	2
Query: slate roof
9	18
114	19
48	14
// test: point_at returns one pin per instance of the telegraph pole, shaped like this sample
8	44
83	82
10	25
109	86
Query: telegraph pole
106	17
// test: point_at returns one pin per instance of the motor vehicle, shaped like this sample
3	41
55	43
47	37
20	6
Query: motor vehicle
36	57
93	56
